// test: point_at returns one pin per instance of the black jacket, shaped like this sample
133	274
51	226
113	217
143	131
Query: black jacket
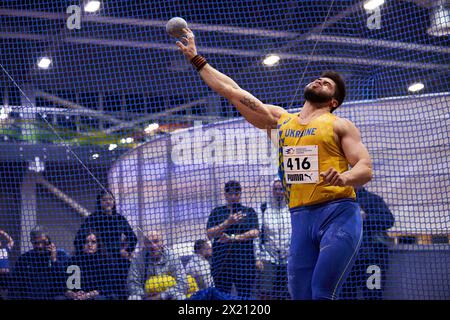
35	276
110	228
94	272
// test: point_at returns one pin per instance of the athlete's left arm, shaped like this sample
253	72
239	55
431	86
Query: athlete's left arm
356	154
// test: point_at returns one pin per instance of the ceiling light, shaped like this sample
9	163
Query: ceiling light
440	22
112	146
95	156
373	4
126	140
36	165
44	63
271	60
92	6
151	127
415	87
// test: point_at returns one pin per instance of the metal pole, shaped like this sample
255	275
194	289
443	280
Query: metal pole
141	191
169	189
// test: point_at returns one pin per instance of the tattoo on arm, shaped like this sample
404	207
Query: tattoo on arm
249	103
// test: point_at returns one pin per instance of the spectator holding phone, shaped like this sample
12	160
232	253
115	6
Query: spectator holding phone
232	229
39	273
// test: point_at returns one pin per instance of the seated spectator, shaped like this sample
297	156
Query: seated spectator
199	267
92	267
155	260
39	273
118	239
5	249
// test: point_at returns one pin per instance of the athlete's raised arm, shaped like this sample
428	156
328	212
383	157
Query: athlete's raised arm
263	116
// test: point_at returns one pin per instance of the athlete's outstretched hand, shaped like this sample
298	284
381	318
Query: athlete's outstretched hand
187	45
333	177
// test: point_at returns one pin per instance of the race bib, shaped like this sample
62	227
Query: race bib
301	164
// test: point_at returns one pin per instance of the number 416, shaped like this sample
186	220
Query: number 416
305	164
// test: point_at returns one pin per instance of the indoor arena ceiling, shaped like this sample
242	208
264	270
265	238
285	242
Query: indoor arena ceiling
124	47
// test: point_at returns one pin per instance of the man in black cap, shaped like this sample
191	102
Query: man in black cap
232	229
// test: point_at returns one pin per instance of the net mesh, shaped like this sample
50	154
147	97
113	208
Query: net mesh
120	110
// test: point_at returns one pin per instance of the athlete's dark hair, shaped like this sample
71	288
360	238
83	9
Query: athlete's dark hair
339	93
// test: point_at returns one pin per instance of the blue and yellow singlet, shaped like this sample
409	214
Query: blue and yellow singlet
318	134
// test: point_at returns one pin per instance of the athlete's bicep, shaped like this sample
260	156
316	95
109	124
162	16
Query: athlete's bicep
351	143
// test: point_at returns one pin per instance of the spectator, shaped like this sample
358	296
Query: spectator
39	273
374	251
93	269
118	238
199	267
273	245
232	228
153	271
117	234
5	250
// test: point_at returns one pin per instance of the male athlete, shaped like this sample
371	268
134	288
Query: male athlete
316	149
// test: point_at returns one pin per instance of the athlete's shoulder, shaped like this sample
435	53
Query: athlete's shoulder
344	121
344	125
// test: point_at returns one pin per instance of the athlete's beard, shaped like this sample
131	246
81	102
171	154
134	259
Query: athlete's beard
310	95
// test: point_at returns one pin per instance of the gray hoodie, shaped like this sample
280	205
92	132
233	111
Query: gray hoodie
143	266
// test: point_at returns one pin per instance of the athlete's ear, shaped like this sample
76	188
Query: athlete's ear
334	103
